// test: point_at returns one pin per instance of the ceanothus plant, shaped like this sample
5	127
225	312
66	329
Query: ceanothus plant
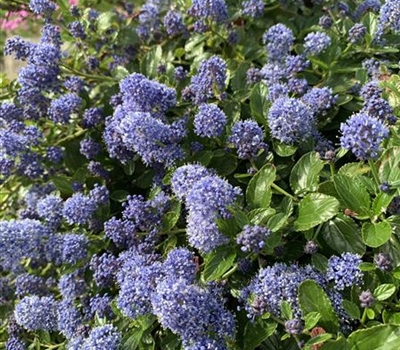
200	174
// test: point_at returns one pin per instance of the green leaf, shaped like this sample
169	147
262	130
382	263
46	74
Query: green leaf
283	150
305	174
320	262
276	222
353	195
258	193
260	216
259	103
224	163
353	169
352	309
63	184
376	234
391	317
389	165
217	263
151	60
381	202
171	217
314	209
119	195
380	337
311	319
286	310
338	344
312	298
318	340
342	234
256	332
105	21
384	291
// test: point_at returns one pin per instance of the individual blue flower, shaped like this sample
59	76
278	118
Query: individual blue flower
344	270
247	137
209	121
370	90
279	40
103	337
74	84
276	91
362	135
325	22
316	42
294	326
290	120
252	238
296	64
35	313
92	117
253	8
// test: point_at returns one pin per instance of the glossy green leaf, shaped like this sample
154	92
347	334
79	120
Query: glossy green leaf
311	320
314	209
258	193
353	195
342	234
217	263
283	150
312	298
376	234
256	332
381	337
389	165
305	174
259	103
384	291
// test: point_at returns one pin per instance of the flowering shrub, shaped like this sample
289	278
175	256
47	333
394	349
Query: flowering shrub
201	175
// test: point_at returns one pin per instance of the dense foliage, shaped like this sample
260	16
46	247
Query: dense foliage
201	174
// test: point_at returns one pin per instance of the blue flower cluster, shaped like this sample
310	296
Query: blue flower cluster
253	8
209	121
316	42
290	120
252	238
210	77
362	135
247	137
279	40
344	270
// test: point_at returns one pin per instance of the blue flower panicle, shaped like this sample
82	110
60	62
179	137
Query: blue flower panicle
362	135
290	120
